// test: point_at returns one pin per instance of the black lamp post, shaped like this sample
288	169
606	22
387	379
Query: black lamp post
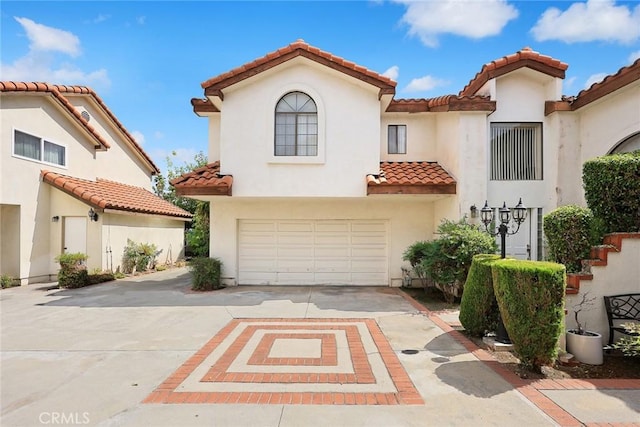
519	215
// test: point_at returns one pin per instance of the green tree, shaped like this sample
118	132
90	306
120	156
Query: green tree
197	232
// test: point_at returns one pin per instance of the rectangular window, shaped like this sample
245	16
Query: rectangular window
397	139
516	151
32	147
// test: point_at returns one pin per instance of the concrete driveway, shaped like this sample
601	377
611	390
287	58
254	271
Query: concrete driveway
147	351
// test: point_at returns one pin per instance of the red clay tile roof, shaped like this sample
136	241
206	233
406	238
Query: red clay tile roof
623	77
103	194
57	92
204	181
411	178
442	104
214	85
523	58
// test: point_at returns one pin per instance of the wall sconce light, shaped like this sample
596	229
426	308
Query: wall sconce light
55	218
474	211
93	215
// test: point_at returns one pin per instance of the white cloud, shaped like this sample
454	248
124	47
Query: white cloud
590	21
101	18
41	62
138	136
594	78
43	38
473	18
423	84
392	72
633	56
141	20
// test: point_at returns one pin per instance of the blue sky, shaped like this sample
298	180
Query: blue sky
146	59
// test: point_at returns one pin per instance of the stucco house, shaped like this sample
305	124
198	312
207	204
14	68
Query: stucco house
319	175
73	179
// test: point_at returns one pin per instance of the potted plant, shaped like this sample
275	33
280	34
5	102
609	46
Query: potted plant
585	345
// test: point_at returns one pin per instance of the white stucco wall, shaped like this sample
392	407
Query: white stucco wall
619	276
410	219
348	134
520	97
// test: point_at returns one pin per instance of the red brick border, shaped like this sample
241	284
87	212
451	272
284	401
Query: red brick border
531	388
363	374
406	392
328	351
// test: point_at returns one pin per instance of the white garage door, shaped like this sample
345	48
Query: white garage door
296	252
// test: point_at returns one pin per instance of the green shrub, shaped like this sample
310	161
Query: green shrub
447	259
612	191
205	273
630	346
73	270
101	277
478	309
415	253
570	234
530	295
140	256
7	281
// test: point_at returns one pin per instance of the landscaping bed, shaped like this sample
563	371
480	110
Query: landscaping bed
615	364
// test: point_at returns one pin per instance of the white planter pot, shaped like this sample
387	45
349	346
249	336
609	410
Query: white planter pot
586	348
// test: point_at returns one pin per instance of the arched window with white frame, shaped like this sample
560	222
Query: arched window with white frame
296	126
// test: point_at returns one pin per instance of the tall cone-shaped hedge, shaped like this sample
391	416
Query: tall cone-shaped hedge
530	295
478	308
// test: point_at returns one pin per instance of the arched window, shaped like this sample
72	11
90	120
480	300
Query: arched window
296	126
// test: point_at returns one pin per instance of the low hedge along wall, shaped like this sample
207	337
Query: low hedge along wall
530	295
478	309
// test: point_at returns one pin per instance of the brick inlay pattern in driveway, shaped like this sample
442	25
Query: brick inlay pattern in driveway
356	366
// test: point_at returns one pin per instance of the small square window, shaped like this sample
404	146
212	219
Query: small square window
397	139
38	149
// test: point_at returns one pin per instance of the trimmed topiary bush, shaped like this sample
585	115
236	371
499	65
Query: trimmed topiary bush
530	295
570	234
73	270
612	190
478	308
205	273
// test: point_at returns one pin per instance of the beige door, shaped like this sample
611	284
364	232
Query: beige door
313	252
75	234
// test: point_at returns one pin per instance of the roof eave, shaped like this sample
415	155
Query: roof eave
411	189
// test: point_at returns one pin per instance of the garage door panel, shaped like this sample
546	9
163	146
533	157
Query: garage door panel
349	252
252	225
332	265
332	227
332	239
295	226
363	251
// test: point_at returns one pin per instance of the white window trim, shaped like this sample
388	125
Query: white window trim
273	100
42	140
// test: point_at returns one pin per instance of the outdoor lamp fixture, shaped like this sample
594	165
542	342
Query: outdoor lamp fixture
55	218
474	211
504	214
93	215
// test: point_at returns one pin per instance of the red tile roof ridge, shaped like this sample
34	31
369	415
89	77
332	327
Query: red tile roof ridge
58	90
108	194
298	45
492	69
634	67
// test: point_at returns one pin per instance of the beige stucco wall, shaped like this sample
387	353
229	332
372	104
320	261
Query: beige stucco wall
410	219
619	276
421	137
32	204
348	134
111	232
